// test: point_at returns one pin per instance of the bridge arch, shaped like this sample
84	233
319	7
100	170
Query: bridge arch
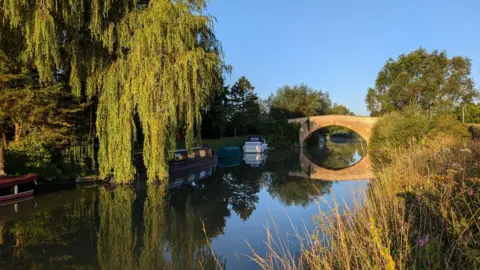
363	126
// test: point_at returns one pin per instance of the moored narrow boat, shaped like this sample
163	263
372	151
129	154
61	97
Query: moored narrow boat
201	156
14	187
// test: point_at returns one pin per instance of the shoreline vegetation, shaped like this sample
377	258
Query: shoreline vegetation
422	210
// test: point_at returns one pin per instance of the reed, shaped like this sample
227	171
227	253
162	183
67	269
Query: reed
422	210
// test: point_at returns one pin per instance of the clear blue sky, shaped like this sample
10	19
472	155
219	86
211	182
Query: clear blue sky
338	46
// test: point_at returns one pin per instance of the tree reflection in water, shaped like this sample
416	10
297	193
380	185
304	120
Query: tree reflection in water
243	185
27	239
151	228
297	191
115	237
168	241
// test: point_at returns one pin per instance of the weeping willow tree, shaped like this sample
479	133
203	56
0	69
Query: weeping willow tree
158	60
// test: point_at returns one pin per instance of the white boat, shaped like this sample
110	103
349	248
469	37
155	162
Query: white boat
255	144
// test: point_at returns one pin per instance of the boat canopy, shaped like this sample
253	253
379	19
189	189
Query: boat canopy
256	138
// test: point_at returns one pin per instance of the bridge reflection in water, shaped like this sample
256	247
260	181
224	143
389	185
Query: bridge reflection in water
359	171
345	161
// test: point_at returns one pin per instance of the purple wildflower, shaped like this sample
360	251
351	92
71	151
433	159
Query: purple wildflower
470	192
423	241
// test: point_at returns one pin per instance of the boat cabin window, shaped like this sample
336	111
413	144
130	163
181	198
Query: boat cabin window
203	153
256	139
26	187
178	181
178	156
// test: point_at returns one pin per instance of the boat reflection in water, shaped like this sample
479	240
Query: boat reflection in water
255	160
179	178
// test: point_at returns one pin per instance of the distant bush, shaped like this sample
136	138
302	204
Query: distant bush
281	133
410	126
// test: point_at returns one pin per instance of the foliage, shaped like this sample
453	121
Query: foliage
245	106
52	165
472	113
31	106
281	133
338	109
154	59
399	129
432	80
48	114
215	115
298	101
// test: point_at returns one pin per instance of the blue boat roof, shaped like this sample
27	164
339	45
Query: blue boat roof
231	148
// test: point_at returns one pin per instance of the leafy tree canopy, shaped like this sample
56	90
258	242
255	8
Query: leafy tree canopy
156	59
338	109
432	80
298	101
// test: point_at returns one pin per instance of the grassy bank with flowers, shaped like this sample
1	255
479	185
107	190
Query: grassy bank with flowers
422	210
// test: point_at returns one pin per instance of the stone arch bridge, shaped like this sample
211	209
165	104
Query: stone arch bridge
363	126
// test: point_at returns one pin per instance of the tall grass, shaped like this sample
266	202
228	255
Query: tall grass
422	211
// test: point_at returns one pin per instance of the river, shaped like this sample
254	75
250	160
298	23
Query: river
146	227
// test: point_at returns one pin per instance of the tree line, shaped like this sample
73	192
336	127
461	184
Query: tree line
237	110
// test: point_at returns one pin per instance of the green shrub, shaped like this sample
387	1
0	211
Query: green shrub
410	126
281	133
36	154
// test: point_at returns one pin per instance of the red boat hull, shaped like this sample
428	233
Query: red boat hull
16	196
15	187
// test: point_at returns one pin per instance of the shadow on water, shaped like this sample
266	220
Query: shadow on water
150	227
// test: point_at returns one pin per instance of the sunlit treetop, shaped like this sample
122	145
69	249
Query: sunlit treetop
431	80
156	59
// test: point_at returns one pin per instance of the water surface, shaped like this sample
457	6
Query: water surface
147	227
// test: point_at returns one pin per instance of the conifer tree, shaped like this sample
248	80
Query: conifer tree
245	105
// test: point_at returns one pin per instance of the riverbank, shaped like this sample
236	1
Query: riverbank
225	142
422	209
